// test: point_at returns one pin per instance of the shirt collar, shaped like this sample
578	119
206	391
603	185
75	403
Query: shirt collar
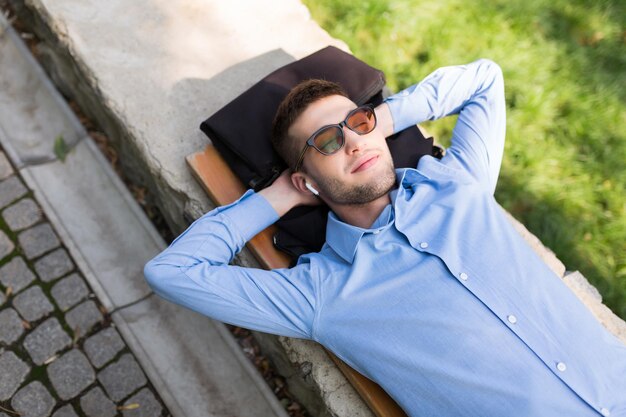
344	238
408	177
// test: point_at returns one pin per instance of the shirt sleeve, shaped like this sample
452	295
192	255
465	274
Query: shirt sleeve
194	272
476	93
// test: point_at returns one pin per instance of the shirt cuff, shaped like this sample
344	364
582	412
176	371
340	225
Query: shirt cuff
406	108
250	214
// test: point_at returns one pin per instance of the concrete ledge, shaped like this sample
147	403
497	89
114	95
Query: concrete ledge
194	362
149	71
590	296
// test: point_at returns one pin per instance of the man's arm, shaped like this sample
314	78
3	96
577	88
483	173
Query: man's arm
476	93
194	270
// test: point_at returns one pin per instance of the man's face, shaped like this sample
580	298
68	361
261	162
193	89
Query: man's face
358	173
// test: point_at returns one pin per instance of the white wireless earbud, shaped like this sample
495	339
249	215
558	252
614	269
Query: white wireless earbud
311	189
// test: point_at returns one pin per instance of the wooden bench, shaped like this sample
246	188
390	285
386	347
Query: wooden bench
223	187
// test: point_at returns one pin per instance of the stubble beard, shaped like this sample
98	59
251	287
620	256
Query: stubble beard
334	190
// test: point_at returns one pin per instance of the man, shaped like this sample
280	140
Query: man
423	285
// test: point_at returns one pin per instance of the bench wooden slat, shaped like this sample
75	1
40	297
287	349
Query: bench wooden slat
223	187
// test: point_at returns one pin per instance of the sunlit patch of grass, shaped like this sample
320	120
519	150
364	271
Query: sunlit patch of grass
564	63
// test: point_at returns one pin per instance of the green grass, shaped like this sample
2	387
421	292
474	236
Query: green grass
564	64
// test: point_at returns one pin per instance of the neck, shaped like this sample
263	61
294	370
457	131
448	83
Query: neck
361	215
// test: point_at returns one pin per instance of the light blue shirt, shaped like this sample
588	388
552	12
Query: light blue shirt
441	301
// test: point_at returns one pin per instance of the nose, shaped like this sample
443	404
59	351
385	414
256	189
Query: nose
354	142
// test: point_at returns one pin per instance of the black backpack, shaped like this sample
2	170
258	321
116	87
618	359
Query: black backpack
241	132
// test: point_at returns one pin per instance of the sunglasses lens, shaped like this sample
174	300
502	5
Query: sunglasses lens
329	140
362	121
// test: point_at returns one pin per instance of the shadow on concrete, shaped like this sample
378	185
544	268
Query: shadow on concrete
228	84
218	91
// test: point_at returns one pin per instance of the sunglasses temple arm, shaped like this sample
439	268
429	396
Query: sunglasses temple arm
300	158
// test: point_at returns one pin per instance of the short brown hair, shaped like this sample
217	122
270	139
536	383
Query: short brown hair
292	106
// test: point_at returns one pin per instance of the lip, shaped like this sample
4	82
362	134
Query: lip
364	163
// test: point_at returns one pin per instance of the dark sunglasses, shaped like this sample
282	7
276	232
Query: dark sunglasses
329	139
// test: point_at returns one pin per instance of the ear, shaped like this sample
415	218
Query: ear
299	180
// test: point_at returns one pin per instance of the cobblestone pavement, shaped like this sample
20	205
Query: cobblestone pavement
60	354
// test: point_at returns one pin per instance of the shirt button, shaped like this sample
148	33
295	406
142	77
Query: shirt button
424	245
463	276
512	319
605	412
561	366
376	231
